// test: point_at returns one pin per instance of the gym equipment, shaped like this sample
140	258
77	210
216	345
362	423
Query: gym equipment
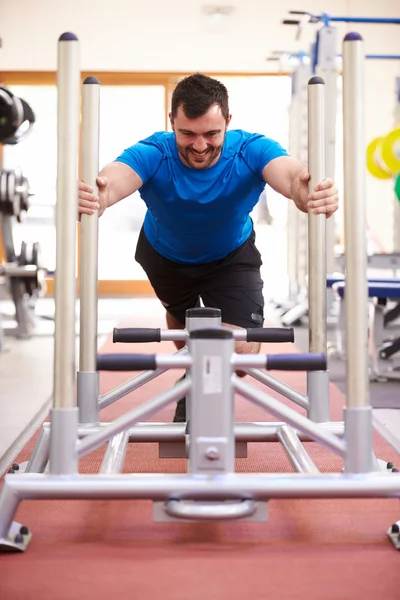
16	118
380	291
325	19
14	193
322	63
23	273
383	155
322	60
210	490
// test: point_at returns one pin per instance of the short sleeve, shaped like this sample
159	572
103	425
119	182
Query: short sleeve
144	158
259	151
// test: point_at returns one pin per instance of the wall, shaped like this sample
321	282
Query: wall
174	35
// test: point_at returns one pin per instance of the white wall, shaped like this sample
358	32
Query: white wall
172	35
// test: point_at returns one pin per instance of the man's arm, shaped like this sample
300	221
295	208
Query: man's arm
282	174
122	181
115	182
289	177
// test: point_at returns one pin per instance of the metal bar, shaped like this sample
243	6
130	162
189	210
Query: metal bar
372	20
165	361
244	432
258	486
279	386
15	270
113	460
127	387
68	85
88	281
40	455
132	384
316	223
173	335
354	221
295	451
94	440
290	416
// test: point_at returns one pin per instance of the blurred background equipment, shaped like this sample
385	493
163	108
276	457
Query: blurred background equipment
16	118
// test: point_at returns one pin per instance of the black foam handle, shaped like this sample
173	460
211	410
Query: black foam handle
126	362
290	22
132	335
298	12
270	334
296	362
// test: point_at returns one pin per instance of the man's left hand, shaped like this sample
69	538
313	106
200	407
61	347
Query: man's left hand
323	199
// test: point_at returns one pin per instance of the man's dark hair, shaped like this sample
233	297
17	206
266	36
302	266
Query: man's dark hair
197	93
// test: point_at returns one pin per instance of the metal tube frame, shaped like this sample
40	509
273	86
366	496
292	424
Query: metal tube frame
212	372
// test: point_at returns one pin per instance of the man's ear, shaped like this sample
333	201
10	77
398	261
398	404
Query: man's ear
171	120
228	121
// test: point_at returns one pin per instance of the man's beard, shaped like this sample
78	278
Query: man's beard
200	160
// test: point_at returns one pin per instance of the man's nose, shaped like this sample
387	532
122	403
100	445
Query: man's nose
200	144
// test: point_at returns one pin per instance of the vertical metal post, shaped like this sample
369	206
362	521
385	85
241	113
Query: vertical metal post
358	412
200	318
88	376
64	414
212	443
297	221
317	381
327	69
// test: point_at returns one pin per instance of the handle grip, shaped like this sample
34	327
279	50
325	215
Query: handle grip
290	22
270	334
131	335
298	12
210	512
126	362
296	362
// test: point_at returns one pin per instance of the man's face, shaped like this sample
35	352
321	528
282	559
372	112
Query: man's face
200	140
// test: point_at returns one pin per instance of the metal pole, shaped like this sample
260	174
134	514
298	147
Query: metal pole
89	227
64	415
358	414
88	377
291	417
317	382
316	223
66	213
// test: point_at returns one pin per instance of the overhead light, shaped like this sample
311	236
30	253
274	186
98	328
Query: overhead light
218	17
224	10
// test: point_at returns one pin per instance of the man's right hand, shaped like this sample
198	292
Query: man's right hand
88	202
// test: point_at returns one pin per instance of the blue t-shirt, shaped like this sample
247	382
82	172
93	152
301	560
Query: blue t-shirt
200	215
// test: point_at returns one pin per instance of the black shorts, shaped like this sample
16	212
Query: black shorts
233	284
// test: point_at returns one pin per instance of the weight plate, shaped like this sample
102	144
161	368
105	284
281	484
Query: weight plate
391	151
23	256
397	187
3	193
373	166
24	194
12	194
36	254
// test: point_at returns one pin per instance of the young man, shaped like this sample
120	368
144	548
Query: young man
200	183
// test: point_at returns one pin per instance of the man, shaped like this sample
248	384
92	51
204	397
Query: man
200	182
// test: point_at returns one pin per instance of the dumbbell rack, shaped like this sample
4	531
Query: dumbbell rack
22	273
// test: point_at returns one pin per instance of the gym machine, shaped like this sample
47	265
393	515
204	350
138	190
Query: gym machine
16	118
21	273
211	489
323	62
